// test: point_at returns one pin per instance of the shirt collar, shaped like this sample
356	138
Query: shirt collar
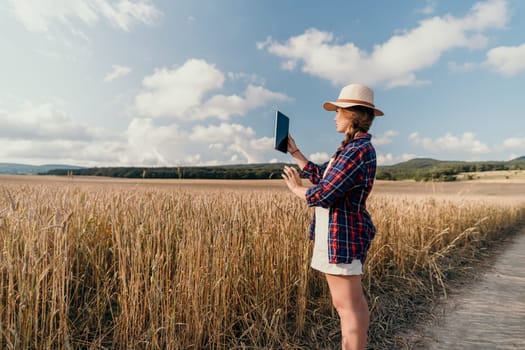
365	136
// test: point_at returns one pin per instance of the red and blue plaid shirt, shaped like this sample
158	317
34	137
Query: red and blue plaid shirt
344	190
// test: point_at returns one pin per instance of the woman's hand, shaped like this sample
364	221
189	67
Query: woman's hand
292	147
297	156
294	182
292	178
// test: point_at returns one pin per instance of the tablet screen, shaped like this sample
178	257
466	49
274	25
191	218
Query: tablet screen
281	132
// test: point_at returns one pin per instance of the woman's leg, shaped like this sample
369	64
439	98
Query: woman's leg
351	305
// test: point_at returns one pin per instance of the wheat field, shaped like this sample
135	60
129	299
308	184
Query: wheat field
225	265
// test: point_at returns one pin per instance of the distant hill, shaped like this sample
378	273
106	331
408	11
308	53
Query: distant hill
424	169
25	169
417	163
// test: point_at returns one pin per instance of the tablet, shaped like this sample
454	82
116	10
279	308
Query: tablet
281	132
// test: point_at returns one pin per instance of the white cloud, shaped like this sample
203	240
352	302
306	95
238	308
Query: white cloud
75	152
241	141
117	72
466	142
126	12
217	146
46	133
384	159
384	139
43	122
179	92
222	132
514	143
249	78
394	62
407	80
38	16
506	60
263	44
263	144
80	34
150	144
430	7
173	92
319	157
289	65
389	158
224	107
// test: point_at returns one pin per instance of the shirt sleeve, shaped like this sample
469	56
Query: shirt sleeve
341	176
313	172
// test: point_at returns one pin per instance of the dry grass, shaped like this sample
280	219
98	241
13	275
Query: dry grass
182	267
505	176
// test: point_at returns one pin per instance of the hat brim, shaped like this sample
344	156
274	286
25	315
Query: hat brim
332	106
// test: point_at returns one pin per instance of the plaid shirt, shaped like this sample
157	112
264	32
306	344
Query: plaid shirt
344	191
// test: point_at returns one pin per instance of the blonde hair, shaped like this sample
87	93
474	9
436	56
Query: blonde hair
361	119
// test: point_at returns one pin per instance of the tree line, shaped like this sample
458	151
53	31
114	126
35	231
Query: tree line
419	169
254	171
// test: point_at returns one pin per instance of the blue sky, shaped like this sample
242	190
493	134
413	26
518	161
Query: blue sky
190	82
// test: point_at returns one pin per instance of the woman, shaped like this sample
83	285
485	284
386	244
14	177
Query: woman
342	227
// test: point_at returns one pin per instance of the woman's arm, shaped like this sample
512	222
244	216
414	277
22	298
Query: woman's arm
309	170
296	154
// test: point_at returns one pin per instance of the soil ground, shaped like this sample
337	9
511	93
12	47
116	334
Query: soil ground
486	314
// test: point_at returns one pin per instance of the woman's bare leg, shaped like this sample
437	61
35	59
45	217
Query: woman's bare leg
351	305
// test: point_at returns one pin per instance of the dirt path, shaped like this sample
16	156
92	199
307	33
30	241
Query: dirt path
491	313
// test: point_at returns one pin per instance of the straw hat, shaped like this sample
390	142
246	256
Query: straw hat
354	95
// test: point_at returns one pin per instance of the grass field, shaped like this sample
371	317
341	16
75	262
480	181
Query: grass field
155	264
505	176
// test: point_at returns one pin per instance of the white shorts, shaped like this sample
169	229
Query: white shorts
320	253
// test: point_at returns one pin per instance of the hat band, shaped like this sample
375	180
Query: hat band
356	101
